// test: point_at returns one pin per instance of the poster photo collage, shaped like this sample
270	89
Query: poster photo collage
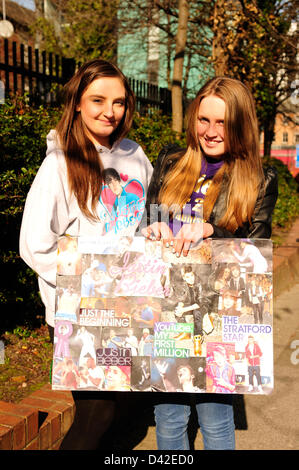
132	316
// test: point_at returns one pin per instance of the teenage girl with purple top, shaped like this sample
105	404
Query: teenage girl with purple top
221	174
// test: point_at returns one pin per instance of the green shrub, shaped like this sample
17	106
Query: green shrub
153	131
23	143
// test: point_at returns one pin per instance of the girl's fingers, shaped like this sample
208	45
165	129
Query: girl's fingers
155	231
187	235
181	246
167	235
145	232
186	247
148	232
158	230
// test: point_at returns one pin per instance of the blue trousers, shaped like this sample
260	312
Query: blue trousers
215	418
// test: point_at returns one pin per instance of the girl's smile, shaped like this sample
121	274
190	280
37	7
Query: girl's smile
102	107
210	126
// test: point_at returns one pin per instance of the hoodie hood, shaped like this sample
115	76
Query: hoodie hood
53	143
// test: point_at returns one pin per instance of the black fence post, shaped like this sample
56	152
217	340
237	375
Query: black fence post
33	71
6	60
68	68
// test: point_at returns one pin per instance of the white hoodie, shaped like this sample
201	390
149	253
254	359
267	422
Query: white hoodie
52	211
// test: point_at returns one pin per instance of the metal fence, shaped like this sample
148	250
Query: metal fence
39	74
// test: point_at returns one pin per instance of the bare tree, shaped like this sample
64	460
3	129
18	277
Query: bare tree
178	64
80	29
182	37
255	42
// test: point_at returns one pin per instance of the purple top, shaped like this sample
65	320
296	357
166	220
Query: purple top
192	211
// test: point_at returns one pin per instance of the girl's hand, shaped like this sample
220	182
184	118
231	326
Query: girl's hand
191	233
158	231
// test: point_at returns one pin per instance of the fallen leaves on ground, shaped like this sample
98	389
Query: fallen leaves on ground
26	364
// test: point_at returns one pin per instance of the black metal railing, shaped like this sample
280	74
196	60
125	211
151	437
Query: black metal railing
27	70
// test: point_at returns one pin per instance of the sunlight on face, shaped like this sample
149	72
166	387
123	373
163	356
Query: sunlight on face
210	126
102	107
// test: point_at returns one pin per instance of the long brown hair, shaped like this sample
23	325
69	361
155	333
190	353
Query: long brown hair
83	162
242	169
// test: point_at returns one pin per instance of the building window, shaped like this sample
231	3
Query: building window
285	137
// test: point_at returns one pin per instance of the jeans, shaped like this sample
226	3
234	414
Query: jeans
215	418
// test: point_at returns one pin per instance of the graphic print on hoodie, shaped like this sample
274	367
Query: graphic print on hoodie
122	200
52	210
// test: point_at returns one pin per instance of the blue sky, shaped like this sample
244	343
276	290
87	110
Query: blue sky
26	3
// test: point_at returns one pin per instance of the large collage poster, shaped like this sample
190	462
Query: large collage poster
131	316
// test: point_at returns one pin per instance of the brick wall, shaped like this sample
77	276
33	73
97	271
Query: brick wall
38	422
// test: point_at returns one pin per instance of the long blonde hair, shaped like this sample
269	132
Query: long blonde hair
85	170
242	171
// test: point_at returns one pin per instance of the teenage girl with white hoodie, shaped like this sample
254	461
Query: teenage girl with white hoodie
67	197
